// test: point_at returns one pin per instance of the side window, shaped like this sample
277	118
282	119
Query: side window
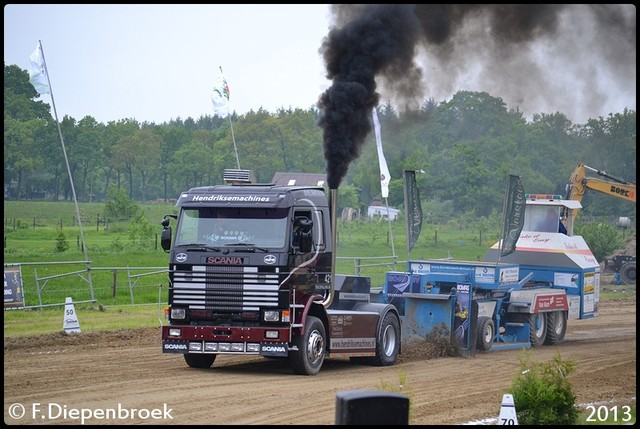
303	228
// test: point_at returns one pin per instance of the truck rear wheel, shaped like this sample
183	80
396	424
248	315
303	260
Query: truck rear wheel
486	333
387	344
556	327
387	341
628	273
308	359
199	360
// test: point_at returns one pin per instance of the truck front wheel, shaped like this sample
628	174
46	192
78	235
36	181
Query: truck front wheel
309	356
199	360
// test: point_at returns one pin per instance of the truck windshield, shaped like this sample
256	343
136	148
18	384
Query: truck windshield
260	227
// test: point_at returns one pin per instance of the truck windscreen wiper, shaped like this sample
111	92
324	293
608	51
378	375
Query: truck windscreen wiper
251	247
199	247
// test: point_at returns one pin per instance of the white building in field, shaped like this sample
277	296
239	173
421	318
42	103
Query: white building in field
382	212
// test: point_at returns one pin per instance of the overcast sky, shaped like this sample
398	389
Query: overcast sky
155	62
159	62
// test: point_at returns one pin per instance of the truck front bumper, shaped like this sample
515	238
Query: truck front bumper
225	340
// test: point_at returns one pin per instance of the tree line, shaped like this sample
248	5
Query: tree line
466	147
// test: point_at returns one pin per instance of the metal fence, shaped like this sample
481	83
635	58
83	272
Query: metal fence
49	285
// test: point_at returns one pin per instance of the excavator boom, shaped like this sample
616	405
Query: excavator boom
579	182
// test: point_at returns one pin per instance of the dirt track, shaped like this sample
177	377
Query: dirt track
126	370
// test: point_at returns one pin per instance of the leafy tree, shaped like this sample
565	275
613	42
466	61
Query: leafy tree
602	238
191	164
466	146
140	229
119	205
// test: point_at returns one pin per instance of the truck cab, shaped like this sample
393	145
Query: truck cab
251	272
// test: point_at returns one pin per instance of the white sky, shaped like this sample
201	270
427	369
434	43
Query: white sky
159	62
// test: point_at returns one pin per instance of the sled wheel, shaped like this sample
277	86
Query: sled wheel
556	327
486	333
538	329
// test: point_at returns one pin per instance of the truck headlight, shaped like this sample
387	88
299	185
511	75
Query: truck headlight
271	316
178	313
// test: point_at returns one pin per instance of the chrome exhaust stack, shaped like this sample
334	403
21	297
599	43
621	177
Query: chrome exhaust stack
333	204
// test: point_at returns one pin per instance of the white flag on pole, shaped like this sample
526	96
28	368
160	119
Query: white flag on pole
220	96
385	177
38	72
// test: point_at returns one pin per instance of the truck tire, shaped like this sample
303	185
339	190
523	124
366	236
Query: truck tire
387	341
199	360
556	327
628	273
387	344
308	359
486	333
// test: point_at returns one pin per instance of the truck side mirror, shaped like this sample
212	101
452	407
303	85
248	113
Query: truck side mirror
165	237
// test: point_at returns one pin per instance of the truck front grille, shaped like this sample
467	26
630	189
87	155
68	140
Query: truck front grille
224	288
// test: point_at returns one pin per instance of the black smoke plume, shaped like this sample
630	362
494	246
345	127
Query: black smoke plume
393	45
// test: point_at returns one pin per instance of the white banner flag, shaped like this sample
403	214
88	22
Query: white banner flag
38	72
385	177
220	96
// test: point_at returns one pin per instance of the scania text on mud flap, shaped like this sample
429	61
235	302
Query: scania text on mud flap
252	272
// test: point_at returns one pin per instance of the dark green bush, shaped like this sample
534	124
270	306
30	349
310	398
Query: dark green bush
602	238
542	393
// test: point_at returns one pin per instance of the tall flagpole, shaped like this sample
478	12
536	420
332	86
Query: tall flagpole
385	177
233	137
66	159
221	98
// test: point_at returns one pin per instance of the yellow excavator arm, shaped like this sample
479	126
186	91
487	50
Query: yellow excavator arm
579	182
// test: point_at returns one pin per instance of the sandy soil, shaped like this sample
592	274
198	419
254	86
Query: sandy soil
54	379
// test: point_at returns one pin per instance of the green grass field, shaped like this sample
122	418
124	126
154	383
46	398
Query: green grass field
122	267
125	273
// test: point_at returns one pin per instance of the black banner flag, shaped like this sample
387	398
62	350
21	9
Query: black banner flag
513	215
413	208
